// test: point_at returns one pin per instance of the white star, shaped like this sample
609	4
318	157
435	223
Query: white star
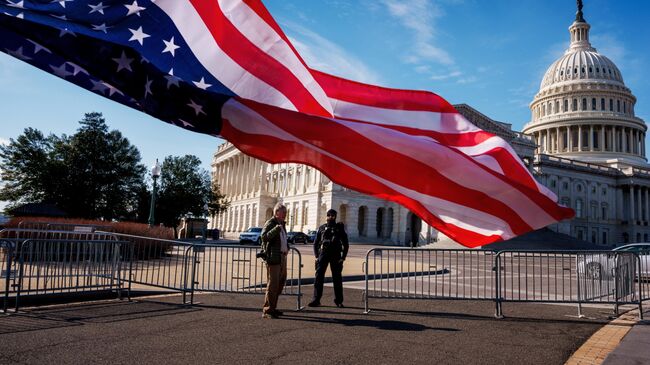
98	86
60	71
62	17
201	84
112	90
171	79
20	15
18	53
147	88
65	31
198	109
17	4
76	69
97	8
61	2
186	124
38	47
138	35
101	27
123	62
143	59
134	8
170	47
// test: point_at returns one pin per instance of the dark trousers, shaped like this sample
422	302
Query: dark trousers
336	267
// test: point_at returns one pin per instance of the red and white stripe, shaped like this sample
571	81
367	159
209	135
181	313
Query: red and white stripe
411	147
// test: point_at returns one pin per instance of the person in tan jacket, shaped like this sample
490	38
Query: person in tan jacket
276	248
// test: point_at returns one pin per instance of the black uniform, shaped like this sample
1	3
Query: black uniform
330	247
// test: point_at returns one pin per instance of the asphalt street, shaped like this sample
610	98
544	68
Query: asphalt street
228	328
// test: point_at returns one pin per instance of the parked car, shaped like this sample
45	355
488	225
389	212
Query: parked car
297	237
252	234
603	265
312	236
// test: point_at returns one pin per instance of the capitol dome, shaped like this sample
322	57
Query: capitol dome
583	109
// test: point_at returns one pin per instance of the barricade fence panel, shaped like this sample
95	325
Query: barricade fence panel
236	269
156	262
429	273
49	266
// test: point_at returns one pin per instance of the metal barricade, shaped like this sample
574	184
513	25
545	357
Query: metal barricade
50	266
235	269
428	274
602	277
7	271
157	262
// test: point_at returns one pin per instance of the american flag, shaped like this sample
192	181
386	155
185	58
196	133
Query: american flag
225	68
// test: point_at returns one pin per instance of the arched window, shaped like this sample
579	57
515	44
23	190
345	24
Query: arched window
611	105
618	106
584	103
566	105
361	223
575	105
593	103
602	104
557	106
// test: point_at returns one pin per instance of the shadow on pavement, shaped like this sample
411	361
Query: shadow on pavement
388	325
77	315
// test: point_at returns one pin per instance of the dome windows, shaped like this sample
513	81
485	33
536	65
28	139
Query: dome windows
602	104
593	103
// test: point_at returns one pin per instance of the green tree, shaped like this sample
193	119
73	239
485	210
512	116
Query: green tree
95	173
27	164
184	189
217	202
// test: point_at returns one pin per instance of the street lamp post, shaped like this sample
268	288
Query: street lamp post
155	173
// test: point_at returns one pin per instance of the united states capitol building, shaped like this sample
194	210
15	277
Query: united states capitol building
583	142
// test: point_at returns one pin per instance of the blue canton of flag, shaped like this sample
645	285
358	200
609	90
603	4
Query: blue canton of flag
119	51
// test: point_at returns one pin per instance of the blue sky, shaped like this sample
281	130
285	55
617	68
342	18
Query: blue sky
488	54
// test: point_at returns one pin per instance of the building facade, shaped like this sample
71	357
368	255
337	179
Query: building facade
584	142
591	146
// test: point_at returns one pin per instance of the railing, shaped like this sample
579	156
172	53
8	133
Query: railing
59	226
428	274
22	234
50	266
603	277
236	269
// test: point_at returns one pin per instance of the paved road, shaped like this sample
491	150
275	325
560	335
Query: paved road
228	328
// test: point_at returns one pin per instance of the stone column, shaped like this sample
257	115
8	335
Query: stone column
558	144
639	204
632	217
591	138
569	139
602	138
647	205
580	138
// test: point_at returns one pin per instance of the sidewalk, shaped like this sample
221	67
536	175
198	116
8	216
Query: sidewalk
623	341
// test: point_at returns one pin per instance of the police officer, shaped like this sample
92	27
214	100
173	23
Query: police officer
330	247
